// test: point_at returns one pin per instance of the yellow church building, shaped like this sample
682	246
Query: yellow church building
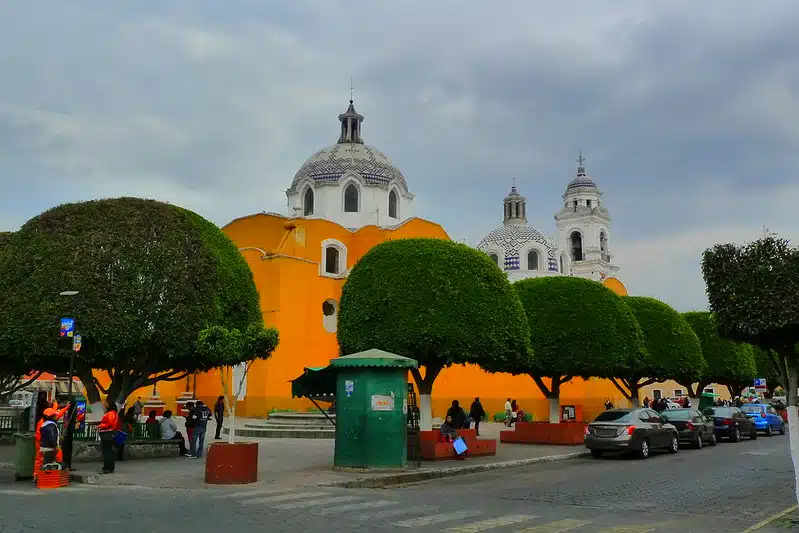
347	198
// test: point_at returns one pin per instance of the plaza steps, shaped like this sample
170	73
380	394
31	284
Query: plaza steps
290	426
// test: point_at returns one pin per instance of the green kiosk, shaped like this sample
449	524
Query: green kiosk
371	395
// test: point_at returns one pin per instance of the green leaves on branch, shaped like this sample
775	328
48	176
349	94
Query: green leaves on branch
436	301
220	346
726	361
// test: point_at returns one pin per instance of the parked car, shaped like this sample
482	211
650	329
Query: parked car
732	423
637	431
765	417
693	427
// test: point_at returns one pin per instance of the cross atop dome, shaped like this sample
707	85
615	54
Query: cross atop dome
351	122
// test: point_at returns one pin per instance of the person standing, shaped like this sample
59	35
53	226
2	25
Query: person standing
219	415
138	408
189	423
107	430
48	436
476	413
199	417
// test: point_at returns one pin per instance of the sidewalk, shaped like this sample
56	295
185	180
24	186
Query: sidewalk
293	463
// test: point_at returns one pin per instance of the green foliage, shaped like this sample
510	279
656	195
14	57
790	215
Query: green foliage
151	276
673	349
579	327
218	345
727	362
13	364
435	301
752	292
766	365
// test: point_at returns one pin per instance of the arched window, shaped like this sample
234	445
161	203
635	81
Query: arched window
351	199
577	246
532	260
332	260
603	242
330	315
562	270
494	258
307	202
392	204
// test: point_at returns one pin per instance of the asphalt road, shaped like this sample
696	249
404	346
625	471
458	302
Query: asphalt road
723	489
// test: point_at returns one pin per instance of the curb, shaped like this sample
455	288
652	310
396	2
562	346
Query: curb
423	475
83	477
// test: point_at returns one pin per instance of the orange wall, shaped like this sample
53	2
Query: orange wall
284	256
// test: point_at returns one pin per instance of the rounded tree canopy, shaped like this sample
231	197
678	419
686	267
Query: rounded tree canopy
673	349
150	276
435	301
580	328
726	361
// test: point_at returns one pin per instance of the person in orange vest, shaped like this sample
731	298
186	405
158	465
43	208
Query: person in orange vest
37	438
48	435
107	430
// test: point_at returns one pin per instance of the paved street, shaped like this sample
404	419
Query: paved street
725	489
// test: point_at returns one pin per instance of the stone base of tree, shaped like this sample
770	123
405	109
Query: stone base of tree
568	433
89	451
232	464
433	450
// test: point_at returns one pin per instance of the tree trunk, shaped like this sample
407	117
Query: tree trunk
425	387
552	394
92	392
793	415
554	410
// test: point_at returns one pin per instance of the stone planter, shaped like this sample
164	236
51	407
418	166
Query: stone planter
232	464
567	433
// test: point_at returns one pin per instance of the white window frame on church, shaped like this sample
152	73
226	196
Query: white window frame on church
500	257
541	258
395	192
351	180
342	258
303	206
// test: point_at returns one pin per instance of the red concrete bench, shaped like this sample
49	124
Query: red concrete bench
569	433
433	450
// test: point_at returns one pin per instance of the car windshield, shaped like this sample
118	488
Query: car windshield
752	409
723	411
614	416
677	414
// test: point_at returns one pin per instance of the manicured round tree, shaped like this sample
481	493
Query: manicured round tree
726	362
436	301
673	349
151	276
578	328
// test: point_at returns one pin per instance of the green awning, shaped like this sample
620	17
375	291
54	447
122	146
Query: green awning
373	359
314	383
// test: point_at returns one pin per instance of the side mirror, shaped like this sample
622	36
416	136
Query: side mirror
707	412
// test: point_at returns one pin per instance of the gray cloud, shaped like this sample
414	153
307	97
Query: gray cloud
687	112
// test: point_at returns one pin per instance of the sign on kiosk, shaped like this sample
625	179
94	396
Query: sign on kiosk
760	384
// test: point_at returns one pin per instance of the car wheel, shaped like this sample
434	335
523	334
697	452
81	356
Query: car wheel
769	431
643	452
753	434
675	444
782	429
596	454
713	439
736	437
698	444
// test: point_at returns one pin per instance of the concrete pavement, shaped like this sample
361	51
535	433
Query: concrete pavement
723	489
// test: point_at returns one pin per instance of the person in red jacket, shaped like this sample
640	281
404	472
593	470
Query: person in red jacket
109	425
37	438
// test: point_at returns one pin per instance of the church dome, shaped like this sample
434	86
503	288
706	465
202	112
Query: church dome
330	163
511	237
583	180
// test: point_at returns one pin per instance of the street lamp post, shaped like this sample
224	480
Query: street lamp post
69	426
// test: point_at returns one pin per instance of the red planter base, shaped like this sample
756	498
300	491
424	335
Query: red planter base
232	464
569	433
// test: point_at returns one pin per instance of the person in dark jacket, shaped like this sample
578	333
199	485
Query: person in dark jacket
219	415
476	413
199	417
49	438
457	414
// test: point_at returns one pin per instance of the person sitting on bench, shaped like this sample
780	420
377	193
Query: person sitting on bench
448	430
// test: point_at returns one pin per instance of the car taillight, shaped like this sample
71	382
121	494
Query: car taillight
727	421
762	415
586	431
631	430
689	425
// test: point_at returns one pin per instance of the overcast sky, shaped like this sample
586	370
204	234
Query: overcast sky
686	111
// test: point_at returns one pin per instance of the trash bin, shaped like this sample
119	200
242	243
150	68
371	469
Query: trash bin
26	452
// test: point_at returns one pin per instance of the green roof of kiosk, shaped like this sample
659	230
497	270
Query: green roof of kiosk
320	382
373	358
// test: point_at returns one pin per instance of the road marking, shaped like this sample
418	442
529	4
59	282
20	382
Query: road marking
355	506
283	498
390	513
640	528
315	502
17	492
423	521
561	526
248	493
491	523
772	518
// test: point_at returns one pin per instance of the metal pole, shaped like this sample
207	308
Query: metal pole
69	426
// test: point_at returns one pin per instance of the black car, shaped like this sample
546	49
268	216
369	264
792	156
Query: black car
731	423
693	427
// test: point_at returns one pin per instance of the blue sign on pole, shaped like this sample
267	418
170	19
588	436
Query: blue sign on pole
760	383
67	327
